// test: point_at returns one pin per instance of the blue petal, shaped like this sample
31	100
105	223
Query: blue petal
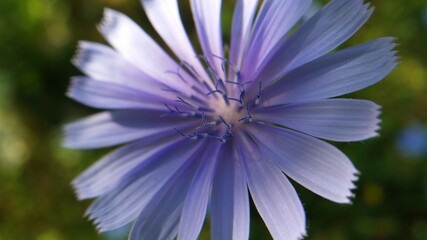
242	22
140	49
165	18
107	95
335	74
229	199
207	18
160	218
108	172
196	201
275	198
332	119
274	21
142	184
315	164
102	63
322	33
112	128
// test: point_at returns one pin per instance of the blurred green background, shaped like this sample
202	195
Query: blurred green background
37	41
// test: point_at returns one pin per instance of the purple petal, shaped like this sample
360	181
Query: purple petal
165	18
161	217
196	201
207	18
102	63
140	49
141	183
335	74
332	119
274	21
242	21
107	172
275	198
112	128
229	199
107	95
315	164
326	30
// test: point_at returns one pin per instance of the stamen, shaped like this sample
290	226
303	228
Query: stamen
203	135
207	86
226	100
221	139
207	125
242	95
168	89
203	119
207	130
198	108
198	90
223	91
221	87
175	111
177	74
205	109
189	136
241	85
169	108
185	102
248	118
214	75
192	70
210	69
212	92
213	126
235	99
240	100
226	123
197	99
227	62
258	96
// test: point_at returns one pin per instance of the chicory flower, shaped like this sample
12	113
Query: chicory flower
212	128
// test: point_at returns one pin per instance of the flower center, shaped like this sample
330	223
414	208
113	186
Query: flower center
221	109
231	113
